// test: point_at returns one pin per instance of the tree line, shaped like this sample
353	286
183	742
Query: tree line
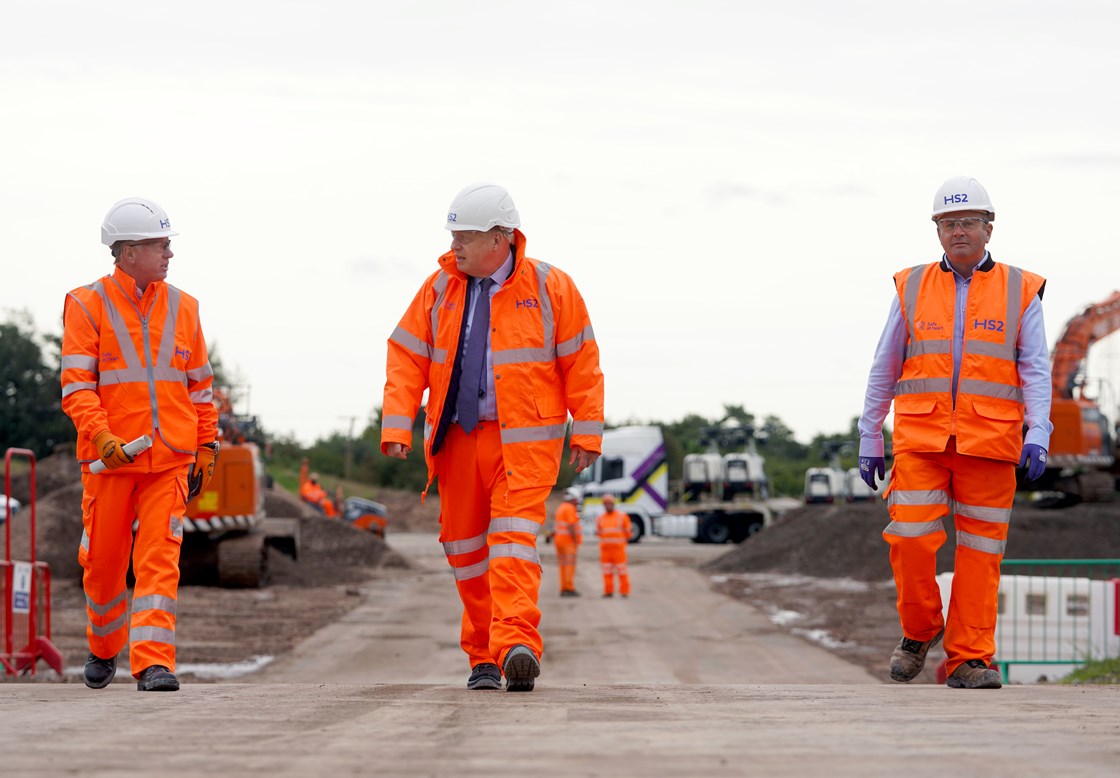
31	417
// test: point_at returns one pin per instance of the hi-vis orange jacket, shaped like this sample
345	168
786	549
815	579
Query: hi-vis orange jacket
137	366
566	527
546	364
613	529
988	416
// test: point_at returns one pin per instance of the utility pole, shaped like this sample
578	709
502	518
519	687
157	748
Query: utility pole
346	448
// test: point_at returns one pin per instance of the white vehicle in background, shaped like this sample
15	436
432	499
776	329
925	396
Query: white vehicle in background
701	475
743	473
634	469
8	503
857	490
824	485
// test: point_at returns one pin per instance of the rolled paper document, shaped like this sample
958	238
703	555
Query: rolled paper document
132	448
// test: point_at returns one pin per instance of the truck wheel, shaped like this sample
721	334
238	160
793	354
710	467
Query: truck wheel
243	562
715	530
637	530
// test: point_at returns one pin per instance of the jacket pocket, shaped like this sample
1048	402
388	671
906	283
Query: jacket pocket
550	405
914	405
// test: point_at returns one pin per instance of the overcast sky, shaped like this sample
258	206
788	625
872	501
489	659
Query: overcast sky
730	184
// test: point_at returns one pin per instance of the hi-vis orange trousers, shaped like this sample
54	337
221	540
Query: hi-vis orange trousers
924	490
110	504
612	560
489	534
566	553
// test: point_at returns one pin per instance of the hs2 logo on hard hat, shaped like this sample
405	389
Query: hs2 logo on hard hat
956	198
452	216
165	224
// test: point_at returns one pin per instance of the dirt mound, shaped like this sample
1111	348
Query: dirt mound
845	541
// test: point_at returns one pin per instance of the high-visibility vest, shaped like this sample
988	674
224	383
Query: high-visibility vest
546	364
566	523
987	419
137	366
613	528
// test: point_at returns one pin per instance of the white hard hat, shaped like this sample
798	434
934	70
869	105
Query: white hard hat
482	206
135	219
961	193
571	494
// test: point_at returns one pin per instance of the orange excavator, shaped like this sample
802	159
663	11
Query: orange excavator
1083	454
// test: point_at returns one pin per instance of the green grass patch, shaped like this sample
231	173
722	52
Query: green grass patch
1106	671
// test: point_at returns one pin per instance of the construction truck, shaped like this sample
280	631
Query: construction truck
226	535
634	469
829	484
1082	458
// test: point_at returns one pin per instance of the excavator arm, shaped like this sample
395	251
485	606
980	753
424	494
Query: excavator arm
1097	321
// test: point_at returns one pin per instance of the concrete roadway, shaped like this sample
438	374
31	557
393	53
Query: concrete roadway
674	681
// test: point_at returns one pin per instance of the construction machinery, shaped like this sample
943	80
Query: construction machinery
634	469
1082	458
358	512
226	535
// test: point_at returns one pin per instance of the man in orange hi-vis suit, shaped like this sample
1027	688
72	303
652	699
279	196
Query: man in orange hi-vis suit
614	533
134	363
963	357
568	535
505	348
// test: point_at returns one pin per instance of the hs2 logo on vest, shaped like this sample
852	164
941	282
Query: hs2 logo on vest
528	302
184	353
994	325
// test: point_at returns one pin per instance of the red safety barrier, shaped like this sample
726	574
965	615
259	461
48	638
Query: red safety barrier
25	588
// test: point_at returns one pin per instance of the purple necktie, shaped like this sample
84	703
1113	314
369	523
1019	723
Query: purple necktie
470	383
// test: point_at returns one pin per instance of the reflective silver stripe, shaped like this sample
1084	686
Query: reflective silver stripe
516	551
515	524
623	568
921	385
526	434
394	421
609	541
439	355
124	375
471	571
80	361
914	529
511	356
427	430
102	610
117	322
406	339
918	497
607	567
572	345
175	526
154	634
110	628
453	547
1014	306
69	389
200	373
990	389
165	351
547	317
205	396
153	602
987	349
995	515
980	543
85	541
917	348
587	428
913	282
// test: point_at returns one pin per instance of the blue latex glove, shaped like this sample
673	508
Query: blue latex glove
869	466
1036	456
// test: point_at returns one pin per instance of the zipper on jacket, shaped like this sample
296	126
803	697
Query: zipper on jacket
151	372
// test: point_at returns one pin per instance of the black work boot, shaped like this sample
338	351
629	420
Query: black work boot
909	657
485	675
100	672
521	668
157	678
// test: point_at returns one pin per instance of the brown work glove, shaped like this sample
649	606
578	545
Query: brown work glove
202	470
111	449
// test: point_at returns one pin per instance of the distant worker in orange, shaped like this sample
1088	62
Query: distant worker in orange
568	535
504	345
964	359
134	363
614	533
314	494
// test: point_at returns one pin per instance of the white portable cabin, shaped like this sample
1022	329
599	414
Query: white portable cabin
824	485
702	474
743	474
